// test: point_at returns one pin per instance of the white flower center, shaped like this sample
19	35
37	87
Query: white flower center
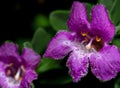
88	46
17	76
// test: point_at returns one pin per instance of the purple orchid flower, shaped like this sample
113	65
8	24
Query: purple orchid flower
87	44
17	71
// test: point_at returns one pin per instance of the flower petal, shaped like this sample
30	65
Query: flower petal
30	58
78	18
78	65
9	53
2	75
101	24
6	82
60	45
28	77
106	63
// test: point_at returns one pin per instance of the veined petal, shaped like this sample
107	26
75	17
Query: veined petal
78	18
106	63
78	65
101	24
30	58
9	53
28	77
60	45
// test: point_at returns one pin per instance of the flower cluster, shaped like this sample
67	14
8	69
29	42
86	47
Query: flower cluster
17	71
87	44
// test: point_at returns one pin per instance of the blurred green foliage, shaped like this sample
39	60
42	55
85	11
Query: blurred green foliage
48	64
40	20
118	30
58	19
114	8
117	83
40	40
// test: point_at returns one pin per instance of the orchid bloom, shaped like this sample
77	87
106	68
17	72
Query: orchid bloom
87	44
17	71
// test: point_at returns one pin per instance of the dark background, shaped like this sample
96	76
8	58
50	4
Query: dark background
17	18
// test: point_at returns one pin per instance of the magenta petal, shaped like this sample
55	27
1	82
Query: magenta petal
101	24
28	77
78	18
78	65
30	58
106	63
9	53
60	45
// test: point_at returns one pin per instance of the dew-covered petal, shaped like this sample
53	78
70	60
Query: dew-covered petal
106	63
101	25
78	18
30	59
60	45
78	65
9	53
28	77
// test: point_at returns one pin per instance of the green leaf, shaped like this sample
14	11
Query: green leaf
115	12
116	42
89	6
118	30
52	72
27	44
117	82
32	85
40	40
58	19
114	8
48	64
107	3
